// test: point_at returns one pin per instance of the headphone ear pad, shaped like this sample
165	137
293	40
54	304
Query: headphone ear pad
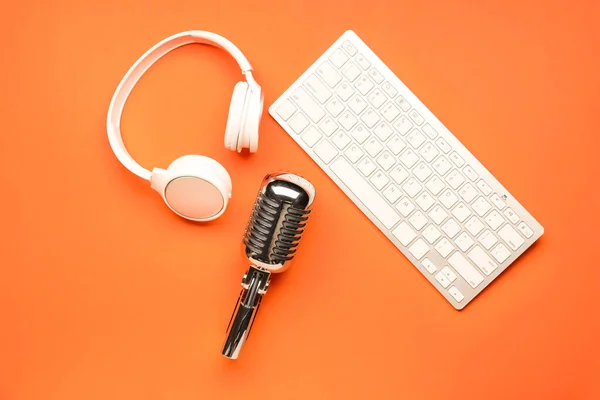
253	117
235	119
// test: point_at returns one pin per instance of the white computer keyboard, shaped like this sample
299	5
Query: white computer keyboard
405	170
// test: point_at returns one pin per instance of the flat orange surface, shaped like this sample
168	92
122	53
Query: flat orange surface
105	294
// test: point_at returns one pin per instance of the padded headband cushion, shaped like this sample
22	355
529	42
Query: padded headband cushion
235	119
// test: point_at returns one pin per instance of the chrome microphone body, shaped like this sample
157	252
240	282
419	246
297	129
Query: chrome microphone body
271	238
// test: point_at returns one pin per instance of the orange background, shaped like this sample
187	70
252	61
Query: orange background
106	294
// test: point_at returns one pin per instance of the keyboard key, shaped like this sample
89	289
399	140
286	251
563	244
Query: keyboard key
448	273
409	158
365	193
349	48
375	75
443	145
308	105
326	151
341	140
370	118
390	112
329	74
438	214
379	180
404	233
484	187
285	109
431	234
422	171
444	247
511	237
525	230
403	125
366	166
470	173
454	292
448	199
345	91
451	228
442	166
419	248
360	133
396	145
354	153
404	105
416	117
311	136
317	88
351	71
481	207
474	226
500	253
456	159
468	193
383	131
441	278
511	215
335	107
338	58
498	202
347	120
377	98
364	85
357	104
415	138
465	269
428	265
487	239
392	193
405	207
418	220
412	187
425	201
399	174
461	212
328	126
482	260
455	179
373	147
464	241
435	185
386	160
429	152
298	123
494	220
363	62
429	131
389	89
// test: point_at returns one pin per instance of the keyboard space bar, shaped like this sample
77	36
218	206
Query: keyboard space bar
365	192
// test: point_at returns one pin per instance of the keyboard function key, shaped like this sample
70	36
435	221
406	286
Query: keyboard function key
376	76
456	294
377	98
363	62
360	133
461	212
431	234
379	180
435	185
383	131
404	233
474	226
338	58
444	247
326	151
438	214
416	117
396	145
500	253
419	248
370	117
351	71
443	145
511	237
403	103
329	74
285	109
429	152
511	215
422	171
298	123
409	158
341	140
465	269
389	89
428	265
349	48
390	112
482	260
403	125
317	88
306	103
354	153
415	138
484	187
468	193
442	279
487	239
364	85
456	159
448	198
451	228
373	147
328	126
335	107
525	230
399	174
442	166
481	206
405	206
392	193
366	166
429	131
347	120
498	201
470	173
386	160
411	187
311	136
357	104
464	241
345	91
494	220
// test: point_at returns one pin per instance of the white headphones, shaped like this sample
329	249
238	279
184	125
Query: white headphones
195	187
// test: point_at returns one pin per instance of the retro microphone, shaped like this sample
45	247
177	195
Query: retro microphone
270	241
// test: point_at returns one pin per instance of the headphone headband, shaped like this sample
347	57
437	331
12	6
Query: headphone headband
137	70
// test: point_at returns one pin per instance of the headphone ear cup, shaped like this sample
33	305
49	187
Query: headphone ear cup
235	118
253	117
